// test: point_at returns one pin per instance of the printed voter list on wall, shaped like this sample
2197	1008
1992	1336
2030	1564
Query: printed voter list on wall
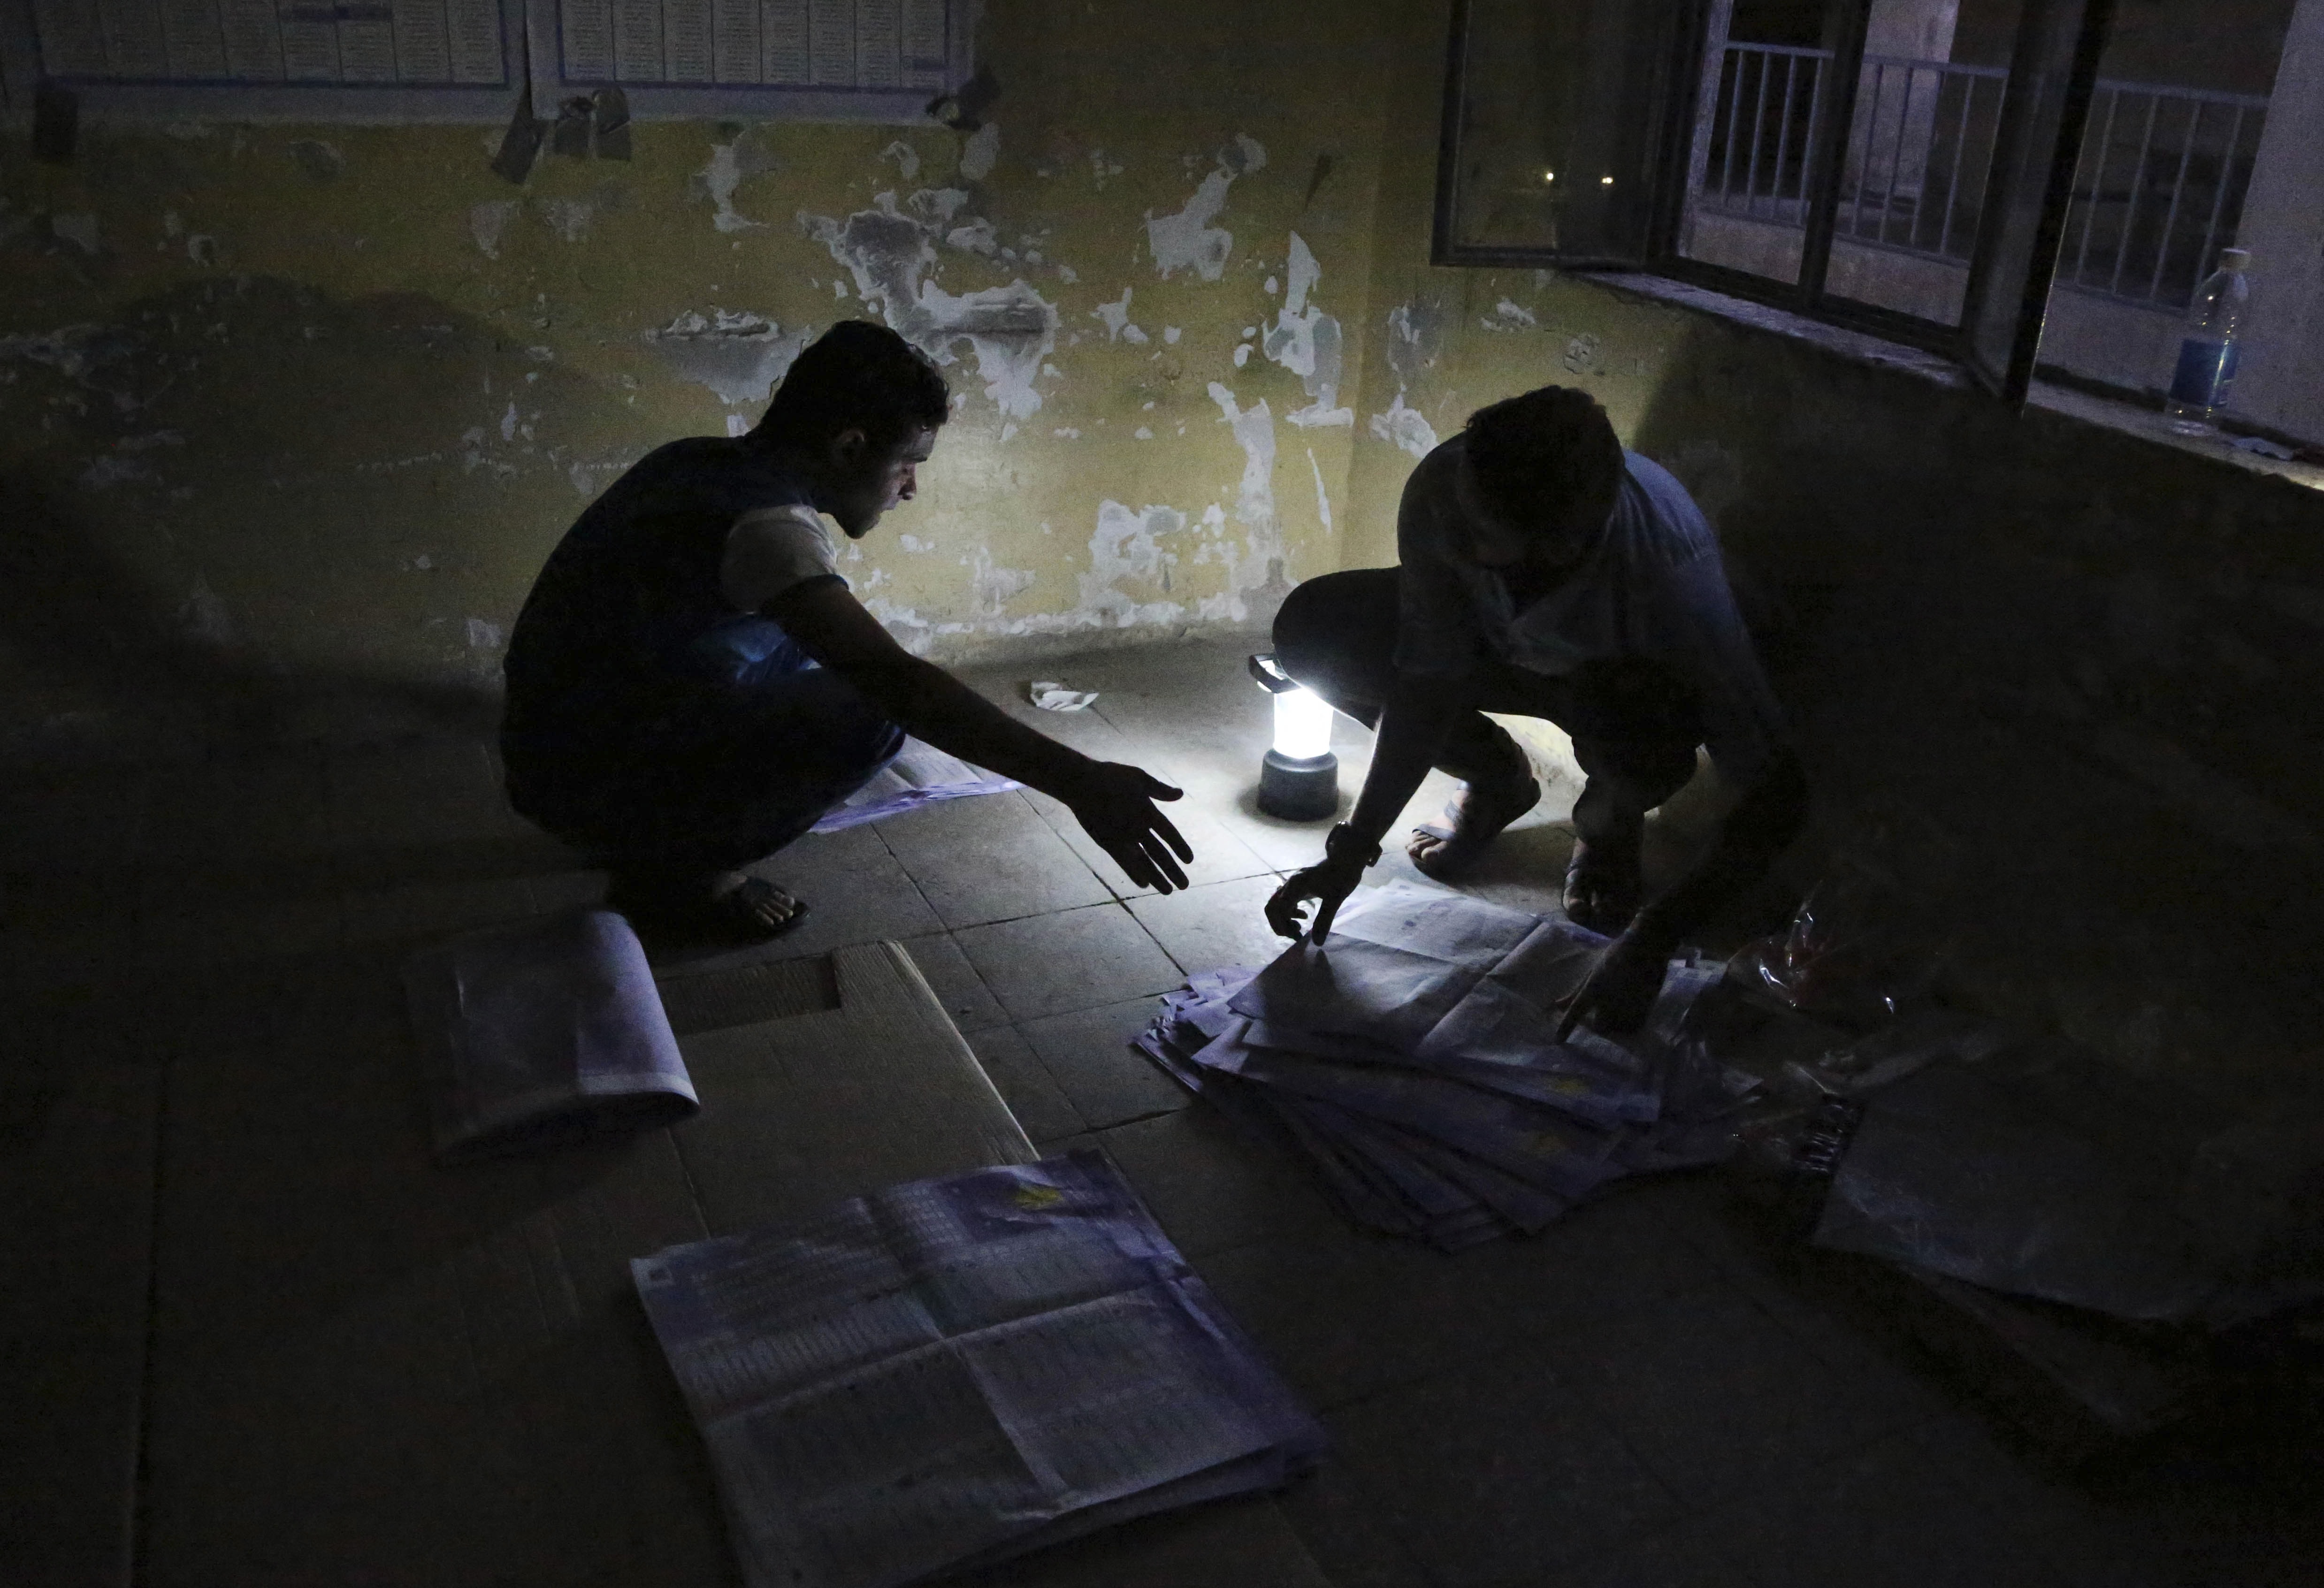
842	60
272	60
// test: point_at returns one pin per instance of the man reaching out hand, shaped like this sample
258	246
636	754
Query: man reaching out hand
691	686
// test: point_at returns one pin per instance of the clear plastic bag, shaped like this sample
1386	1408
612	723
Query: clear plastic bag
1860	950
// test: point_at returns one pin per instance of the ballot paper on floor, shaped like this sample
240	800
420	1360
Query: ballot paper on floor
921	774
543	1032
1414	1062
953	1371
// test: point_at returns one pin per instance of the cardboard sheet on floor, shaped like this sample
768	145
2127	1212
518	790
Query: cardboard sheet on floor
962	1370
370	1366
2046	1170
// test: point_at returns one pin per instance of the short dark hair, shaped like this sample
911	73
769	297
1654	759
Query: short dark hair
857	377
1548	450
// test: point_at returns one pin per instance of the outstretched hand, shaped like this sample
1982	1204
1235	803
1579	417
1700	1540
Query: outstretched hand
1328	882
1114	804
1621	987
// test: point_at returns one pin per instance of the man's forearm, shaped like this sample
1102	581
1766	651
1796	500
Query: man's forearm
931	705
1761	826
1412	726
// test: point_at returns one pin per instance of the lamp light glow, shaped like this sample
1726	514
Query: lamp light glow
1298	777
1303	724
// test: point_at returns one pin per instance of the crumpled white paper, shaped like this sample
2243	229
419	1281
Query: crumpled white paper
1052	695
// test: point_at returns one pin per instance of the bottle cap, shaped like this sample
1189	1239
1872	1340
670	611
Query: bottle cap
2235	258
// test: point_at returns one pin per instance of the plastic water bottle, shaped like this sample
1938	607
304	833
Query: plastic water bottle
2207	352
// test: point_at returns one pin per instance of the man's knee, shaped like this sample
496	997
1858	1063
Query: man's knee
1639	726
841	734
1337	624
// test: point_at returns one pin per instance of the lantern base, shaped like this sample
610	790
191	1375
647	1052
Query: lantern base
1299	789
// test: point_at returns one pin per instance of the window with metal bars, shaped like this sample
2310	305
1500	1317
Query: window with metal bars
1958	174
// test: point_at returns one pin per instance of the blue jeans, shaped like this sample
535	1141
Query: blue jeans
721	774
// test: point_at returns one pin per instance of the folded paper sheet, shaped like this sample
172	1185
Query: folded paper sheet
956	1371
542	1033
1413	1061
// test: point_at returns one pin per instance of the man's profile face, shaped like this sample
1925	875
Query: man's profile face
867	481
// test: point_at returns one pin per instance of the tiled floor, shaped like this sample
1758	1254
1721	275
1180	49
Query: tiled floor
1638	1397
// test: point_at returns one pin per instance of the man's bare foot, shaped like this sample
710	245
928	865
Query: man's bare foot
1473	819
724	903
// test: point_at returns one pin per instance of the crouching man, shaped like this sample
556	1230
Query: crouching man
691	686
1546	572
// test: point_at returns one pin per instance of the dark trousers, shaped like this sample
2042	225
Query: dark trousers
716	781
1635	726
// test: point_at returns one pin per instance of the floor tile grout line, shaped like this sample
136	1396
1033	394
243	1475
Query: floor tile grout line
139	1518
926	903
1018	1026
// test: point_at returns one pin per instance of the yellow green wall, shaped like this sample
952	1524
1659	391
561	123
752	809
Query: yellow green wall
293	414
289	427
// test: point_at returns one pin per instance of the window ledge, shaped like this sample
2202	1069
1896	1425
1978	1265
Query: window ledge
1855	347
1875	353
2131	420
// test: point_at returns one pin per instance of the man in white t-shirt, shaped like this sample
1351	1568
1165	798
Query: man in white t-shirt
1543	571
692	686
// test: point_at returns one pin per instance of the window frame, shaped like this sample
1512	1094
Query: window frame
532	64
1671	114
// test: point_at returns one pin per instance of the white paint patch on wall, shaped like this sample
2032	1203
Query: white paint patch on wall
1187	240
738	356
975	237
569	218
202	615
1128	546
1115	318
1010	330
717	181
907	159
1406	427
79	228
1256	570
1306	341
982	149
1323	500
993	588
1413	333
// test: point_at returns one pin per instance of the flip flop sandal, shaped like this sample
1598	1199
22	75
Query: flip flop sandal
733	914
1463	837
1603	886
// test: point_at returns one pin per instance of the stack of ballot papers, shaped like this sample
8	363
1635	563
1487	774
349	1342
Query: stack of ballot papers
954	1372
543	1033
921	774
1412	1061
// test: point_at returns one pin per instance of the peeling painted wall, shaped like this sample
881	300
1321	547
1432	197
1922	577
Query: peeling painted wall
2061	678
293	415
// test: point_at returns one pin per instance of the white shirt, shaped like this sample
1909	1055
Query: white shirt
772	549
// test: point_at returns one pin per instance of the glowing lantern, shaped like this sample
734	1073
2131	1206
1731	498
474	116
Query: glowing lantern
1299	777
